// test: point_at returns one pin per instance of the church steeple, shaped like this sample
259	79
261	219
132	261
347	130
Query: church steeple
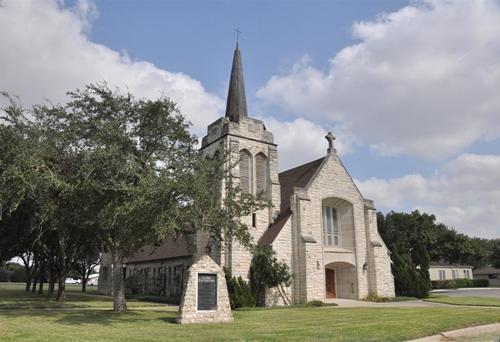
236	107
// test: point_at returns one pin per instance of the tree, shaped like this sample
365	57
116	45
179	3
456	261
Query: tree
267	272
408	237
123	171
495	253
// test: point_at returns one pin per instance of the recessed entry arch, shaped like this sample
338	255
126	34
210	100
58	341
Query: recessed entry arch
341	280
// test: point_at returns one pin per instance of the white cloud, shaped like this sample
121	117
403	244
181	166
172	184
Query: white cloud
46	52
464	193
422	80
301	141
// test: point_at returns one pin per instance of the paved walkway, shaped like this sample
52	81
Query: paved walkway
491	292
490	332
351	303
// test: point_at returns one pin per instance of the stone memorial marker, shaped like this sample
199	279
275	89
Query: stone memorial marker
205	299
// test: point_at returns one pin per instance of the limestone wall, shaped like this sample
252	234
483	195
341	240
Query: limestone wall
250	134
188	309
381	280
105	283
282	245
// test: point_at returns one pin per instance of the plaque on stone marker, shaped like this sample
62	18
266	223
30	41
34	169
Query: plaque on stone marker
207	291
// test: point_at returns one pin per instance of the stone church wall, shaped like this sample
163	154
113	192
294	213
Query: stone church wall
158	278
333	181
379	262
282	245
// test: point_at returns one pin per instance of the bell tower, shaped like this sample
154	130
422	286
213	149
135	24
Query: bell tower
253	151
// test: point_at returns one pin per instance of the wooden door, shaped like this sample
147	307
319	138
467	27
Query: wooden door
330	283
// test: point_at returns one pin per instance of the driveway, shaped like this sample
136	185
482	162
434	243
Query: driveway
491	292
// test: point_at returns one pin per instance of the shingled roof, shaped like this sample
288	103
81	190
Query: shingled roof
168	249
297	177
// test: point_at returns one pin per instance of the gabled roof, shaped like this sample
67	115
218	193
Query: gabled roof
297	177
272	232
168	249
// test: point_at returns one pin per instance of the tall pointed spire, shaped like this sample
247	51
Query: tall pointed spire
236	107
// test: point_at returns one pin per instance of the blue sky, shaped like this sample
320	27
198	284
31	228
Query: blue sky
198	37
409	88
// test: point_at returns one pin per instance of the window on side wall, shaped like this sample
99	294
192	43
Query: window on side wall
331	228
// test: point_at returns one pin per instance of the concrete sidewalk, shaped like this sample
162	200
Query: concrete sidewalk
490	332
351	303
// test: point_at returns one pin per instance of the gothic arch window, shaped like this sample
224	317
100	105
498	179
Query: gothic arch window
246	171
261	172
331	227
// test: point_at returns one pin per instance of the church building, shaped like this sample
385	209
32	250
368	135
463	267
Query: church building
320	223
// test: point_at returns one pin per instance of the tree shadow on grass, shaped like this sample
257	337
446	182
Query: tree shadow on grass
170	320
89	316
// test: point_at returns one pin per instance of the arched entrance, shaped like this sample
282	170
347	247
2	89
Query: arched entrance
341	280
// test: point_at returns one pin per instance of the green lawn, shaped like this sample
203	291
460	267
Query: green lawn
158	323
13	296
477	301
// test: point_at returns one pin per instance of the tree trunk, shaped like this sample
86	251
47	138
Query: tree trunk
50	290
118	281
40	287
28	285
41	276
84	285
60	289
33	285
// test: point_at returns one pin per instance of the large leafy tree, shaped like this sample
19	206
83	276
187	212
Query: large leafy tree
107	169
408	237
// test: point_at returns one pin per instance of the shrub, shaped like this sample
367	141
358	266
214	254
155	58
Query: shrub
240	293
267	272
376	299
481	282
314	303
459	283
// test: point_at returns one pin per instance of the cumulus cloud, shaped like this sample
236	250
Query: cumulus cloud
464	194
301	141
46	52
421	81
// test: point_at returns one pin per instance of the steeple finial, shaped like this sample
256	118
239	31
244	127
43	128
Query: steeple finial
236	107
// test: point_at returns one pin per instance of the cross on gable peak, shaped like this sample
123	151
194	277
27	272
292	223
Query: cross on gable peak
330	138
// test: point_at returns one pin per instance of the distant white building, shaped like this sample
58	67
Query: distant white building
93	279
446	271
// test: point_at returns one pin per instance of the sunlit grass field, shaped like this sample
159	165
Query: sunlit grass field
85	317
475	301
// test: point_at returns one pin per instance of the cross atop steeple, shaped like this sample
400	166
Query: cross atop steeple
330	137
238	32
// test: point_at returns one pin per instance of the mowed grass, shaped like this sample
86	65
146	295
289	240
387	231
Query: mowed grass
475	301
296	324
13	296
